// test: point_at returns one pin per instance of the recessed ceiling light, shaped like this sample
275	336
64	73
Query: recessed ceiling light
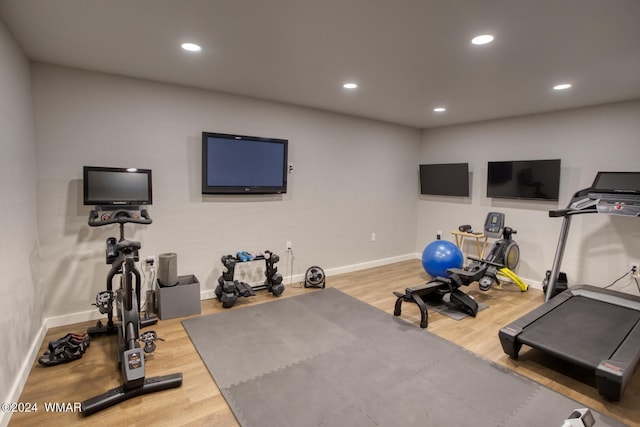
191	47
562	86
439	110
350	85
482	39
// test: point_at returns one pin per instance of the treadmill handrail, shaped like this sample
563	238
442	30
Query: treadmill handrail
566	212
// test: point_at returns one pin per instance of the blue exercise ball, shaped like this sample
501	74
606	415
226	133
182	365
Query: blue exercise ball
440	255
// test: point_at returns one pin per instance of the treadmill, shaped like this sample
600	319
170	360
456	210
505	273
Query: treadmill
595	328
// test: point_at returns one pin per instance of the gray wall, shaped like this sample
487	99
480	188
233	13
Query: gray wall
352	177
607	137
21	310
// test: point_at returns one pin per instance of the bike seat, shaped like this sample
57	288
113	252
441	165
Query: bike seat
124	245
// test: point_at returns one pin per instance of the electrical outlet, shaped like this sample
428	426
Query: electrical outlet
373	237
288	245
150	260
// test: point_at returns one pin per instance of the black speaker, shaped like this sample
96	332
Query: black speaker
167	269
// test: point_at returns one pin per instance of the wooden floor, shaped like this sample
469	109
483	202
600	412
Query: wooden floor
199	401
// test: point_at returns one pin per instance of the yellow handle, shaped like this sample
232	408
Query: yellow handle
514	278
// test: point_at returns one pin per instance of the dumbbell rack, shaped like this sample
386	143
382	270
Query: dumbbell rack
229	290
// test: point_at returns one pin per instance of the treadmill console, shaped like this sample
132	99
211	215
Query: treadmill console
618	208
494	224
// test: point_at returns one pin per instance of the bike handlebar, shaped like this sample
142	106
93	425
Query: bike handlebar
120	216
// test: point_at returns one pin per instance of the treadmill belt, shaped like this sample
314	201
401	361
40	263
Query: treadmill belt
582	330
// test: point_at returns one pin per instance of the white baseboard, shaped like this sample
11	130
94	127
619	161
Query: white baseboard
23	373
209	294
70	319
83	316
535	284
368	264
298	278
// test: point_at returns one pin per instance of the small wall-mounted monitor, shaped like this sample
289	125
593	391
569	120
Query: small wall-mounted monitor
524	179
105	186
239	164
446	179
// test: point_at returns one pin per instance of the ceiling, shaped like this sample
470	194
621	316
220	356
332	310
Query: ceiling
407	56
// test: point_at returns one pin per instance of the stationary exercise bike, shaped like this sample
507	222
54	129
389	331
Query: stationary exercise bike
122	256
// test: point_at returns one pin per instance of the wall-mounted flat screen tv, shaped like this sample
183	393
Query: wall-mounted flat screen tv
104	186
239	164
524	179
446	179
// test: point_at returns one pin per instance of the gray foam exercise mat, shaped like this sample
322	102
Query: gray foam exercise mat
325	358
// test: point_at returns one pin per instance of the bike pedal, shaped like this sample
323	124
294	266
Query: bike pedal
149	339
104	301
